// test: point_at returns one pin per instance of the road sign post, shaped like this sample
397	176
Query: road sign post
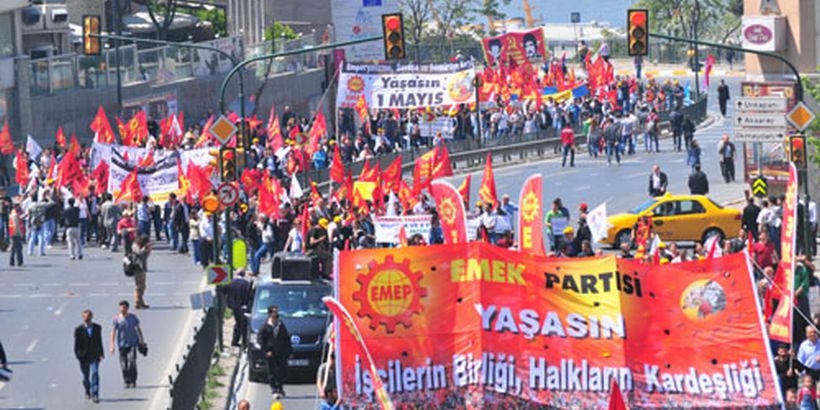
219	275
760	187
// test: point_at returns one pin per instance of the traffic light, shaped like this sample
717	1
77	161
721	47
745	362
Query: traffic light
215	155
797	150
638	32
91	43
393	30
227	164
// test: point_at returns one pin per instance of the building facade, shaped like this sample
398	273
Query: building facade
790	28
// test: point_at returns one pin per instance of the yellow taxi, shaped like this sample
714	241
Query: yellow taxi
676	218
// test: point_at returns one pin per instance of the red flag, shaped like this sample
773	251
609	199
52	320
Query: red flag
74	145
530	235
337	168
68	170
293	134
351	334
274	132
6	143
710	62
270	194
100	175
451	212
130	189
781	326
392	175
317	131
367	173
486	192
147	160
205	134
314	192
251	179
22	174
103	133
138	128
200	183
60	137
361	108
443	167
305	224
122	129
345	190
464	188
616	399
402	236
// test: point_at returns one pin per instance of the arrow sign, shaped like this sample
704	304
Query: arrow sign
760	187
760	121
762	105
219	275
760	135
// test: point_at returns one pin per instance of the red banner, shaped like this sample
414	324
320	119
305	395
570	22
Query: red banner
530	233
781	324
451	212
518	47
476	325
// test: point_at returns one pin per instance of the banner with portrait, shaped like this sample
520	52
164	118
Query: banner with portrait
406	85
156	181
475	325
515	47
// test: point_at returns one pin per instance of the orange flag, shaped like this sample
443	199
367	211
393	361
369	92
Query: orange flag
205	135
274	131
464	188
122	129
130	189
318	129
337	168
74	145
487	191
361	108
451	212
6	143
138	128
392	175
530	235
60	137
103	133
22	174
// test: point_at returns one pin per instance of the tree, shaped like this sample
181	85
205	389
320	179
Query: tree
680	18
811	89
450	15
278	31
165	9
416	14
491	10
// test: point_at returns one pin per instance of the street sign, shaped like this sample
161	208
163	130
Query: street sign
761	104
760	187
575	17
228	194
219	275
759	135
759	121
800	116
223	129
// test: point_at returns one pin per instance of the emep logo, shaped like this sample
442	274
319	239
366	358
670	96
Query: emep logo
757	34
389	293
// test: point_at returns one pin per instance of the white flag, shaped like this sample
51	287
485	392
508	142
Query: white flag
33	148
295	187
598	225
712	247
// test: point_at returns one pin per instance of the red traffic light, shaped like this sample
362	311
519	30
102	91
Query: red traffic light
392	23
638	17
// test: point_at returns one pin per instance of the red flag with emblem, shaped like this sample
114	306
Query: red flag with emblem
464	188
103	133
22	174
270	196
486	192
122	129
6	143
337	168
100	175
318	130
60	137
68	170
530	235
200	183
392	175
74	145
274	131
251	179
130	189
138	128
451	212
205	134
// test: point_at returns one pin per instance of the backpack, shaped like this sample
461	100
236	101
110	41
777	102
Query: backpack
130	264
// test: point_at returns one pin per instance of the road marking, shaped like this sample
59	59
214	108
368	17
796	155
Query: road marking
24	285
108	284
79	284
31	346
59	310
581	188
53	285
636	175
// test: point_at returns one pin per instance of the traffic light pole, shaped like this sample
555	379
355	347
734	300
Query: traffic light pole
798	94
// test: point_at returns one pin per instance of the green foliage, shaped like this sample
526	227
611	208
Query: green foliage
715	20
812	89
278	31
216	16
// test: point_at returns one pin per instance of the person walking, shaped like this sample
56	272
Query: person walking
71	219
127	230
240	297
726	154
88	348
193	228
111	214
723	97
611	136
275	342
140	251
126	335
568	142
698	182
265	244
688	128
658	181
17	233
693	155
144	217
676	122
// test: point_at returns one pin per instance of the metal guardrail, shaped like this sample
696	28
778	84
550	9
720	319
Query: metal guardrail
189	380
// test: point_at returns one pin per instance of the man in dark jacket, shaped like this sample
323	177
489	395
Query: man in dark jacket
658	181
698	182
239	293
88	349
676	122
275	342
749	217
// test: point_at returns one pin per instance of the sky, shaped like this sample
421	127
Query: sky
558	11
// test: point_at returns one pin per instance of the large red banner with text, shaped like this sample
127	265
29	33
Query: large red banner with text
478	326
515	48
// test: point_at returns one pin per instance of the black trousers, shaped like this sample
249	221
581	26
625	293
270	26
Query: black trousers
277	371
128	363
240	328
16	253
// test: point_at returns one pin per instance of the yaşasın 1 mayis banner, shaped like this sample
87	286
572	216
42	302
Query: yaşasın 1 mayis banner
480	326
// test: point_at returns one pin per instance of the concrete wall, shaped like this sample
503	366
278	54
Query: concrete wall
74	110
801	50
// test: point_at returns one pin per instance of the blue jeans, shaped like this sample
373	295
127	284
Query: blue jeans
263	250
144	228
91	377
173	234
197	251
612	147
49	230
83	230
37	235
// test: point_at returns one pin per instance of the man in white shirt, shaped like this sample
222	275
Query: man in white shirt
808	354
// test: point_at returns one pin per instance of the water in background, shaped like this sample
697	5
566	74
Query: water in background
558	11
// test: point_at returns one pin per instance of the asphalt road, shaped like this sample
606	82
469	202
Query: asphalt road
621	187
41	304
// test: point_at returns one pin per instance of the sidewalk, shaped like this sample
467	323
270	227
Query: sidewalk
625	67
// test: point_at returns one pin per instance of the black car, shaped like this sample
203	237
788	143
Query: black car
305	316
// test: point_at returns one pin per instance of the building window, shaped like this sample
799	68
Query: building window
6	35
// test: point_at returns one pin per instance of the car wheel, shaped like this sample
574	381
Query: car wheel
624	236
712	232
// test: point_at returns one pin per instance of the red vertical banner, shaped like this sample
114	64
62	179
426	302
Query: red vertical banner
781	325
451	213
530	234
487	192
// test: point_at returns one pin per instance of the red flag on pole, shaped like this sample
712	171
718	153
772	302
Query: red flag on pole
781	326
392	175
22	175
274	131
318	130
6	142
451	212
103	133
464	188
337	168
130	189
530	235
616	399
60	137
486	192
74	145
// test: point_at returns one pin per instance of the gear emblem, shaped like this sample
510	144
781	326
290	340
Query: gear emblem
529	207
389	293
447	210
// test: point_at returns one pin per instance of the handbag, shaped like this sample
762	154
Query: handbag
143	349
129	266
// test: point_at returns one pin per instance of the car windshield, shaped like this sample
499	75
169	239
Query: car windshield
644	206
294	301
715	204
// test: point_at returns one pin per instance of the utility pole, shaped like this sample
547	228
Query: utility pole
116	14
695	58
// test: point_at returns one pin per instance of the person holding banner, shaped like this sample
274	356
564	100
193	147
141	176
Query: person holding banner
804	271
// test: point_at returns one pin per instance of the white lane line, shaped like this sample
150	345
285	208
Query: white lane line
23	285
31	346
53	285
635	175
108	284
79	284
60	309
581	188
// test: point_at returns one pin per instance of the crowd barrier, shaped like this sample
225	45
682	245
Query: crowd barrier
188	380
